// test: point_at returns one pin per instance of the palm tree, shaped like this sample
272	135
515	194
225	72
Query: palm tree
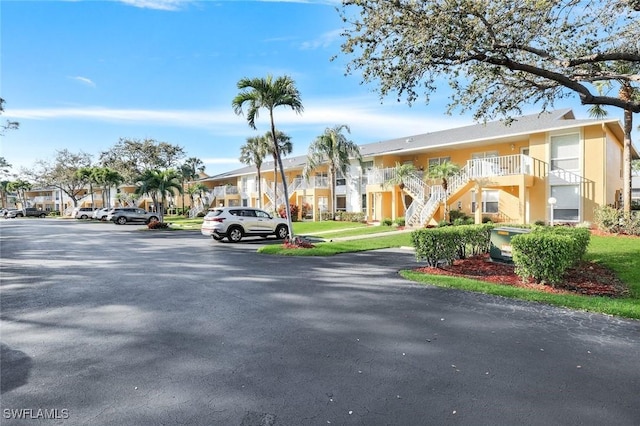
443	171
159	183
284	147
197	189
20	187
111	178
334	148
627	93
253	152
269	93
190	170
88	175
400	175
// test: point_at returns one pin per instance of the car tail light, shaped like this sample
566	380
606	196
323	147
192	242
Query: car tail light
214	219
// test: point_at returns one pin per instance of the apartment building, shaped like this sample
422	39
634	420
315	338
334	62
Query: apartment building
507	173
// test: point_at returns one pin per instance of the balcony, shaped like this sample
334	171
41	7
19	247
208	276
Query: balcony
508	165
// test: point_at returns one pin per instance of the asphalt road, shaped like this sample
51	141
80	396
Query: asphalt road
105	325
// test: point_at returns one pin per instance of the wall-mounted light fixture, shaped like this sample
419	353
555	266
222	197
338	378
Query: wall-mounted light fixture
513	147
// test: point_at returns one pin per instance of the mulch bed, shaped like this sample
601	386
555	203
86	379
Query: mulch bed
586	278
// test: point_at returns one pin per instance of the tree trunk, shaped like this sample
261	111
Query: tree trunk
332	174
284	182
626	156
259	190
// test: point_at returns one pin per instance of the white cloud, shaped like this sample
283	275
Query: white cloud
84	80
325	40
366	118
169	5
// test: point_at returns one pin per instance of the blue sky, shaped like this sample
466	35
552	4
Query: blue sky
83	74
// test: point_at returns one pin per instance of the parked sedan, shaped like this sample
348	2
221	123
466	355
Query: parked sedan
234	223
122	215
100	214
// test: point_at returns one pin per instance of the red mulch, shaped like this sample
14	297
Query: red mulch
586	278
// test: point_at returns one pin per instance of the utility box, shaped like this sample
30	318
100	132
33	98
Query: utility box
501	243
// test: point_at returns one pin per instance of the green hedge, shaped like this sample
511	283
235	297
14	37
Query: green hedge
446	244
546	253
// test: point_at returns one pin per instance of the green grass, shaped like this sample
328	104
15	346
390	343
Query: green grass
336	247
620	254
310	228
182	222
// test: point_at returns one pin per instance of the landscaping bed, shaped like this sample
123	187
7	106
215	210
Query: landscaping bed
587	278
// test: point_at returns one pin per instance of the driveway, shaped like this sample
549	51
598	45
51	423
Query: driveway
106	325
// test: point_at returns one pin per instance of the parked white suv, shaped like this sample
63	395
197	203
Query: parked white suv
234	223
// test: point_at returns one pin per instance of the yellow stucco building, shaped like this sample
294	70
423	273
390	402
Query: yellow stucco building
508	173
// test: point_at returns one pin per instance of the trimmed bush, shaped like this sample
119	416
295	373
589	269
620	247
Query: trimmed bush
435	245
400	221
546	253
386	221
445	244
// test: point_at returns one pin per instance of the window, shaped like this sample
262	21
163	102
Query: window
321	180
438	160
567	207
340	179
565	152
490	201
341	203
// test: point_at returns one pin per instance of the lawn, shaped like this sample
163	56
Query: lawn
618	253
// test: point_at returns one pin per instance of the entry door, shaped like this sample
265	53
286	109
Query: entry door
526	161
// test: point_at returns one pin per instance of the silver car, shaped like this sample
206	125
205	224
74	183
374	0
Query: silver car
122	215
234	223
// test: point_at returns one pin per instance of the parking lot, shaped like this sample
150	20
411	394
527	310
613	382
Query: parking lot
111	325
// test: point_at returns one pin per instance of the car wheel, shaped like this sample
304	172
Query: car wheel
19	215
42	216
84	216
282	232
121	220
152	219
216	237
234	234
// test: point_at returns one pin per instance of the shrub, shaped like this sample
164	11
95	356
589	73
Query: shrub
282	211
352	216
631	223
607	219
445	244
486	219
457	214
540	223
386	221
612	220
547	252
400	221
297	242
306	209
157	225
435	245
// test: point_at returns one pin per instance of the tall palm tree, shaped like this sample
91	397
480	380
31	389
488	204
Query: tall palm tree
190	170
269	93
284	147
626	92
159	183
334	148
197	189
253	152
400	175
443	172
111	178
20	187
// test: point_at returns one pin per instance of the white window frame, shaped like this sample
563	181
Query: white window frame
485	195
561	204
553	160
